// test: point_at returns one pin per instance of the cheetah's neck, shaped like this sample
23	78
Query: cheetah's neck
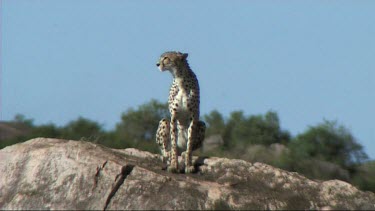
180	72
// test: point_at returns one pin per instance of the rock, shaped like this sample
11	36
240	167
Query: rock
212	142
60	174
264	154
278	149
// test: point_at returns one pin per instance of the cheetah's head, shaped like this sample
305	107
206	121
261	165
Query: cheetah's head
171	59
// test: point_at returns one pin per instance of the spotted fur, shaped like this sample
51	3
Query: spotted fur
162	138
185	129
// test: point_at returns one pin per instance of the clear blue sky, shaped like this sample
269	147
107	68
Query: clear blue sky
306	60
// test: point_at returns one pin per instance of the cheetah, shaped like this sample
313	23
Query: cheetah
185	130
163	138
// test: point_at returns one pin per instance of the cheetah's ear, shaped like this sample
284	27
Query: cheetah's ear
185	55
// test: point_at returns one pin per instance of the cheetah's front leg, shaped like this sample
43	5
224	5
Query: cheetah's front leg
189	168
174	153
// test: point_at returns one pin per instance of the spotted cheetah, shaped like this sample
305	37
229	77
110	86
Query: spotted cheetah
183	103
163	138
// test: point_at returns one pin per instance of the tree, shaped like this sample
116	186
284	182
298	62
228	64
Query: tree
257	129
215	123
49	130
82	128
365	176
330	142
138	127
21	119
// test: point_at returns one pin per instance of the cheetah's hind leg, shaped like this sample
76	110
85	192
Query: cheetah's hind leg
199	135
163	140
198	138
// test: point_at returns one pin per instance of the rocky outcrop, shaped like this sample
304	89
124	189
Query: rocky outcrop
60	174
212	142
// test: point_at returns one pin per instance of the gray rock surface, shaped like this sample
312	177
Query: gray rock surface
60	174
212	142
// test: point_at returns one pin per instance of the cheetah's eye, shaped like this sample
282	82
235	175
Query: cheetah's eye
165	59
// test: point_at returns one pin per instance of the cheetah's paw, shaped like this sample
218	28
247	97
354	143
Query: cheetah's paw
172	169
189	169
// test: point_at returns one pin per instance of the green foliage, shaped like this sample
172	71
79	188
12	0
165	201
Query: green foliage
21	119
48	130
80	128
325	151
216	123
75	130
8	142
138	127
330	142
263	130
365	177
245	131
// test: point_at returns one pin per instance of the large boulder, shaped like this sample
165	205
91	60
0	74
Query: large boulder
60	174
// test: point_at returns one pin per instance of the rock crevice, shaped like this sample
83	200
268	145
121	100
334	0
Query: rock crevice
119	180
